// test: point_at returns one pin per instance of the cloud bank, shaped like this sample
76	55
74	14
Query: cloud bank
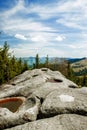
57	28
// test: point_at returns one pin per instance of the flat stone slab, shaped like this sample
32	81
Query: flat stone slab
61	122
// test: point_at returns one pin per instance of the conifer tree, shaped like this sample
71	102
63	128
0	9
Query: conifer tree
9	65
37	61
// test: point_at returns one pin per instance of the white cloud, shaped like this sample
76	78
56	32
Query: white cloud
19	36
24	26
51	10
14	21
75	14
45	36
69	13
43	49
78	46
32	49
60	38
38	38
42	37
72	46
76	21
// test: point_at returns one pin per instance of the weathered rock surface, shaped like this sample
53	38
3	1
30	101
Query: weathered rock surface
61	122
28	111
83	90
45	93
64	101
30	81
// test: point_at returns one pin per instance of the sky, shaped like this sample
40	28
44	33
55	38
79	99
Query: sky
57	28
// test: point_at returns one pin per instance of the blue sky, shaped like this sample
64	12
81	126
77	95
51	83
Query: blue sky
54	27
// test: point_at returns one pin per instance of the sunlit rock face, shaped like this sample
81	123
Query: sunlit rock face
64	101
42	99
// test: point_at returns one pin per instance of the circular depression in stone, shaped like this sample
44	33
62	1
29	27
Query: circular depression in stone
12	103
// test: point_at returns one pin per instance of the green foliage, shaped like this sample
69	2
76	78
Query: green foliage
9	65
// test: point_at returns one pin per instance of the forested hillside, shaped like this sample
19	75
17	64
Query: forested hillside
80	67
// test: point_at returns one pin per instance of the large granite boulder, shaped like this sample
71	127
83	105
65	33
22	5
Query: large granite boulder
44	93
63	101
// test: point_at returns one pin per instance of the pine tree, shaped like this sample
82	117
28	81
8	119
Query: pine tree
5	63
37	61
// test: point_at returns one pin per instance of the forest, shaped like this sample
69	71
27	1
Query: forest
10	66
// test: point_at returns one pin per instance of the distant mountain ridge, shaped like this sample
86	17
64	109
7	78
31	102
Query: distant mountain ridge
31	60
79	65
73	60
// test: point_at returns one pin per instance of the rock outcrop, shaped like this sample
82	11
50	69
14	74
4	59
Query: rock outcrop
49	101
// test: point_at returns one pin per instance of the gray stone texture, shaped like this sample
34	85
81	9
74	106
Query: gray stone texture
51	102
